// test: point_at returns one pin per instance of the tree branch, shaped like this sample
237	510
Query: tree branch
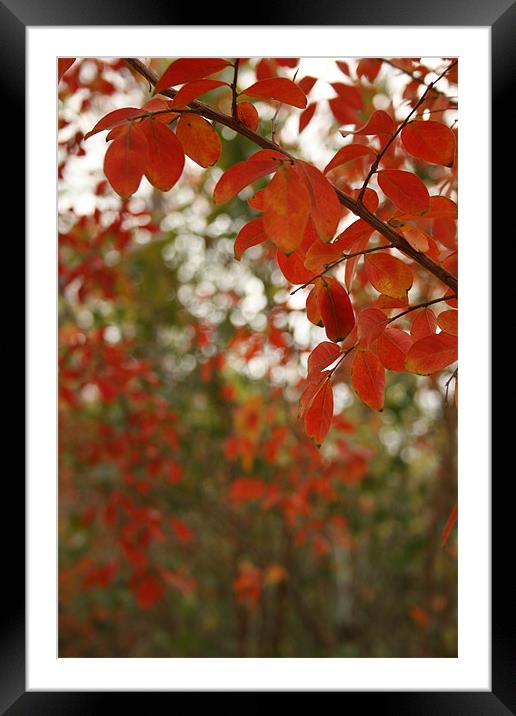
357	208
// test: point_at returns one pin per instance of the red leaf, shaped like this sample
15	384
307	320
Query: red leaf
248	115
192	90
392	347
368	379
199	139
335	308
322	356
307	83
431	141
431	354
182	531
166	158
369	68
286	208
450	522
343	111
312	306
115	119
280	89
319	413
424	324
379	123
293	265
404	189
63	65
371	323
125	162
187	69
306	116
249	235
149	592
240	175
388	275
348	154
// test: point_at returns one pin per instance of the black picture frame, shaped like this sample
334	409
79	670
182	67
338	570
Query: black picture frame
15	17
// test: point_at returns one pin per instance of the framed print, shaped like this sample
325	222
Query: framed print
244	473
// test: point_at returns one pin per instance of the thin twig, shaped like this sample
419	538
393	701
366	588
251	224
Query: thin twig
422	305
234	108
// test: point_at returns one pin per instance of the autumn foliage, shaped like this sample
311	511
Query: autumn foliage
365	247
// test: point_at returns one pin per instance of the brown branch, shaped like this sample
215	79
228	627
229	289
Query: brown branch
357	208
422	305
234	109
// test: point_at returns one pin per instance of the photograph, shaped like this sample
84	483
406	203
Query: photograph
258	381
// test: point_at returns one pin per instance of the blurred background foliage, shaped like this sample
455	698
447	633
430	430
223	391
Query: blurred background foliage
195	518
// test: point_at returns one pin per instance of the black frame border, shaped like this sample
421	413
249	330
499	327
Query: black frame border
500	16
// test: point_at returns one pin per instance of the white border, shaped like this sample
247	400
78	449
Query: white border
471	670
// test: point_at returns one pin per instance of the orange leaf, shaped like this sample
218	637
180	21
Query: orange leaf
280	89
320	255
392	347
192	90
114	119
416	238
187	69
388	275
371	323
325	209
248	115
335	308
322	356
431	141
158	104
404	189
368	379
199	139
166	158
125	162
448	322
240	175
319	413
424	324
286	209
256	201
249	235
348	154
431	354
441	207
